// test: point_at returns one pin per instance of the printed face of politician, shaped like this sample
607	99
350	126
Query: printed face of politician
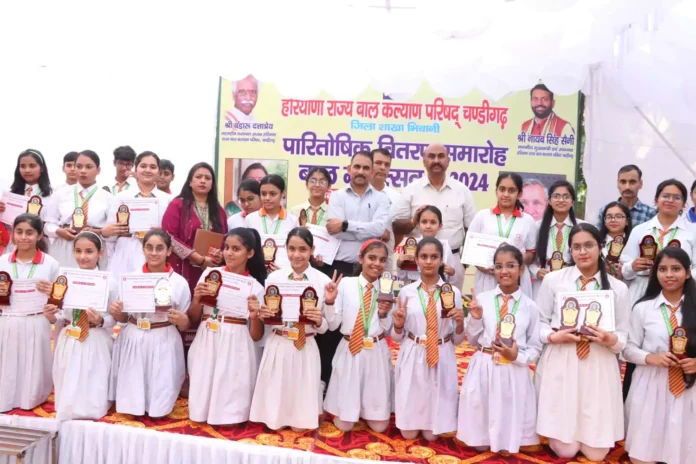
246	95
542	103
534	200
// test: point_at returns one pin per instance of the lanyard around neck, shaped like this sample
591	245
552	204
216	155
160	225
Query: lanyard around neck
500	226
85	199
367	320
578	285
659	242
424	306
31	270
663	307
277	227
497	308
319	216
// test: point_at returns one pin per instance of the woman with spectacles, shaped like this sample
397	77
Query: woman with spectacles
616	222
249	198
577	378
508	221
552	232
315	208
667	228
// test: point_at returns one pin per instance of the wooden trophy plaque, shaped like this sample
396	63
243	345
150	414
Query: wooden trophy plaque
593	314
674	243
556	262
35	205
214	281
303	217
569	314
678	342
5	288
507	329
386	287
60	286
78	220
615	250
274	302
269	251
648	248
308	300
446	300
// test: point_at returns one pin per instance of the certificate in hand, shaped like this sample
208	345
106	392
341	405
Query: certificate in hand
25	298
144	213
14	206
86	289
587	308
325	244
291	292
234	291
281	256
480	248
138	291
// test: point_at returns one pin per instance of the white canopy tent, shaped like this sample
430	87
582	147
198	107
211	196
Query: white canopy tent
78	75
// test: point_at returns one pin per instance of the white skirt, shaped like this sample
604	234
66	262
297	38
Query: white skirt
222	374
288	390
62	251
497	406
127	256
81	375
426	397
579	400
637	287
361	386
660	427
25	361
484	282
147	370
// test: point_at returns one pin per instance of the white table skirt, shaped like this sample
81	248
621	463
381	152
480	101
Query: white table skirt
43	452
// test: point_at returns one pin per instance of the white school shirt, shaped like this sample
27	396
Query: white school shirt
181	298
130	183
447	258
316	280
66	314
288	221
648	332
415	315
523	232
256	289
46	268
236	220
45	199
551	244
163	197
567	280
482	332
608	240
63	206
686	235
346	308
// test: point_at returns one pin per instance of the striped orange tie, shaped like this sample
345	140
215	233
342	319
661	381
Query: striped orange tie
301	336
83	324
314	214
676	379
356	338
85	206
559	236
120	186
432	350
504	307
662	237
30	190
582	349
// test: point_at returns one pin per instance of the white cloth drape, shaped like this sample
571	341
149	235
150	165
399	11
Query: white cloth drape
43	451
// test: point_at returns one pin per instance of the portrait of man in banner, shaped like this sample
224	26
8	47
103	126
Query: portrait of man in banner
545	120
246	94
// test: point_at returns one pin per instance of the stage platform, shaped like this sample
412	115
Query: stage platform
125	439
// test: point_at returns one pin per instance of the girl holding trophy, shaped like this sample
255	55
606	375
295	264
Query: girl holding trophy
82	359
577	378
497	404
288	391
222	359
662	343
615	231
428	322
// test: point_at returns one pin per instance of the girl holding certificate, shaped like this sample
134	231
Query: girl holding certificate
615	231
272	218
76	208
147	369
249	198
127	255
25	334
428	322
318	183
429	221
362	379
508	221
288	391
497	404
222	360
553	252
577	378
667	228
662	342
82	359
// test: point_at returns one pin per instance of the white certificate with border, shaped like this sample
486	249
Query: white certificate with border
291	292
480	248
325	244
281	257
138	291
25	298
144	213
86	289
14	206
233	294
603	298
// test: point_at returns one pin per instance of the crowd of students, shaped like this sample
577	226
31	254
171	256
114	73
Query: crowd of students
241	369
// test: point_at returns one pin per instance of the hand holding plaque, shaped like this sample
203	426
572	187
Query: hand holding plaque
615	249
274	302
123	216
269	251
214	281
60	286
386	287
648	248
78	220
569	314
163	296
446	300
5	288
308	301
506	330
678	342
556	262
592	316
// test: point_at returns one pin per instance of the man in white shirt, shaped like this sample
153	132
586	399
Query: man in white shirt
246	94
436	188
381	164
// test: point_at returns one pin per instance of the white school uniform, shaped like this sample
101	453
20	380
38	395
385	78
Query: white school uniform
497	404
129	184
236	220
222	369
409	276
288	390
147	368
426	397
287	220
550	248
46	204
25	341
361	386
522	235
126	253
579	400
638	281
60	212
659	426
81	369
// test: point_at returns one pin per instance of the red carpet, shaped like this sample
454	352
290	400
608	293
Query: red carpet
360	443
